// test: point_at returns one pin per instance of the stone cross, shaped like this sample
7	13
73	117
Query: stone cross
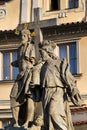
37	25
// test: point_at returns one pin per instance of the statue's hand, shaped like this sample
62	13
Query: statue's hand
76	99
74	96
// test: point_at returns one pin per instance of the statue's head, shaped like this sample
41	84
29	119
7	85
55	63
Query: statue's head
26	35
48	46
47	49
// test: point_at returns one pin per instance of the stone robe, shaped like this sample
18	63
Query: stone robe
55	84
21	85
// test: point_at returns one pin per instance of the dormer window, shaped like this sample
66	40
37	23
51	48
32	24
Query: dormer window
55	4
73	4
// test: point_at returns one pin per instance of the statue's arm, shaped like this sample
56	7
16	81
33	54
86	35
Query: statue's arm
16	62
70	84
30	54
73	91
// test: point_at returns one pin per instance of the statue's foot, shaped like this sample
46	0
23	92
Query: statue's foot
34	127
16	125
25	125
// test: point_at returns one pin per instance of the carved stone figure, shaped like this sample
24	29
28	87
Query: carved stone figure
57	83
21	94
38	123
49	81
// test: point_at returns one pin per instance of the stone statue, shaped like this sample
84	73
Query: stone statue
21	94
49	81
57	83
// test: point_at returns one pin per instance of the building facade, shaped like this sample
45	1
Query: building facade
64	22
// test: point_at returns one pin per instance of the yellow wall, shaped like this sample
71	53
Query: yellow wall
70	15
13	13
82	81
5	91
11	20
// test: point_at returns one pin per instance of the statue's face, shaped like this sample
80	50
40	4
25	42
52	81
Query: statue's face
44	55
25	38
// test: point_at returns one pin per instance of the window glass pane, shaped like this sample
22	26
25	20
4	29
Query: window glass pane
73	58
63	52
72	49
6	65
55	4
73	66
73	4
76	4
14	69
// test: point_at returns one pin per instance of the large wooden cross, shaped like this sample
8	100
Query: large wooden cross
37	25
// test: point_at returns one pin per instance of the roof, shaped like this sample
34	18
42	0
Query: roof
63	26
79	122
78	109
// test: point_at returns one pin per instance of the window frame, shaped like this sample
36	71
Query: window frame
67	43
11	67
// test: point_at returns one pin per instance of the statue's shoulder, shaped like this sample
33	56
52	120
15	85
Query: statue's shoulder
30	45
20	46
57	62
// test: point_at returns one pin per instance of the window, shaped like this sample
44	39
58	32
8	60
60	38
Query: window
73	58
3	1
73	4
69	51
55	4
6	66
9	72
